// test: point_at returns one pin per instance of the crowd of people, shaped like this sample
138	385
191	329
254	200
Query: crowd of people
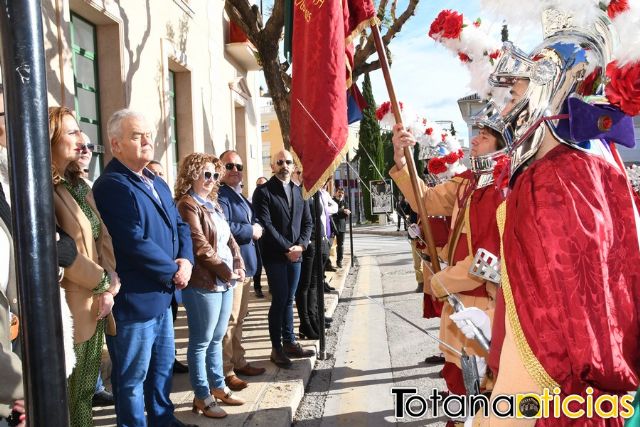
130	250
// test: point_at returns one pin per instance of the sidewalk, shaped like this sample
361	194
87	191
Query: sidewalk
381	230
272	398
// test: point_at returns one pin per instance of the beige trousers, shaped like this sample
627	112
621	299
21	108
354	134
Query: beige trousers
232	350
417	261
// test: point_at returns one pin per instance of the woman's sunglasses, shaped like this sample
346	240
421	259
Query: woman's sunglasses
229	166
211	175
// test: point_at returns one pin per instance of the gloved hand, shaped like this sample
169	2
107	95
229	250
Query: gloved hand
413	231
475	316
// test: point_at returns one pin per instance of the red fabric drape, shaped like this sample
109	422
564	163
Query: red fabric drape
573	260
319	82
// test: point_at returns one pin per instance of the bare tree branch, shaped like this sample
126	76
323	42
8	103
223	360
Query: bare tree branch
368	49
275	23
369	66
240	13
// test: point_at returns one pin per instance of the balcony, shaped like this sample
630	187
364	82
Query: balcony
241	49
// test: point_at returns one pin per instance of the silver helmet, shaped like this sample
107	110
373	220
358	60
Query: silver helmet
482	166
554	71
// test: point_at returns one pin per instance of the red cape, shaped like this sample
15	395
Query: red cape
573	262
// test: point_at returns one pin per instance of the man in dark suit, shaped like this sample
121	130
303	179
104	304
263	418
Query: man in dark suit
154	257
239	213
340	223
286	219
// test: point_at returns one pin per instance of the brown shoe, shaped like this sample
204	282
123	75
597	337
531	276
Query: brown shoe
208	407
249	371
296	350
226	396
235	383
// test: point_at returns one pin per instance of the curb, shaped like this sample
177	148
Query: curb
281	398
380	232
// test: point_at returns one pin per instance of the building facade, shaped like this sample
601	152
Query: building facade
176	61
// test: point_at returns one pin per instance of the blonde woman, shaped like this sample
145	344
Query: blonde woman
90	281
209	296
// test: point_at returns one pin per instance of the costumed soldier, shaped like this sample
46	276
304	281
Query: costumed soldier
471	200
571	259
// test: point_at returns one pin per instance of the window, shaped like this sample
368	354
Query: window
87	98
173	123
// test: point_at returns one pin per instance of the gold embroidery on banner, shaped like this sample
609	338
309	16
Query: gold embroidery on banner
531	363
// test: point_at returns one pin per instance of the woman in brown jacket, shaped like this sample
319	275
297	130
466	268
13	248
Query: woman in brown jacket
209	296
90	282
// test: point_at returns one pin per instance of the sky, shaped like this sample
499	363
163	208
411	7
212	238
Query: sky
427	76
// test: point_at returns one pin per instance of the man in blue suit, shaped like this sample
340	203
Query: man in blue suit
154	257
239	213
281	210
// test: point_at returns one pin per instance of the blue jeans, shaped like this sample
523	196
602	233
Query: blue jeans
142	355
208	316
99	383
283	281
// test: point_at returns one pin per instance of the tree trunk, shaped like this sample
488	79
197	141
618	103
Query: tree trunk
277	88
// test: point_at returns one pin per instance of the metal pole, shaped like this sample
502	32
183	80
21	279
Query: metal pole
417	190
25	89
318	272
350	208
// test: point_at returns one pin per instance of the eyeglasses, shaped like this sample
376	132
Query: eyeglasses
211	175
229	166
89	147
282	162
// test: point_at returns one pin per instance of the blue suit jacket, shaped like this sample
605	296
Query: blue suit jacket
148	236
283	226
239	214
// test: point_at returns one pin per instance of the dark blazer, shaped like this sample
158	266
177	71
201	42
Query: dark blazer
148	236
240	216
340	218
283	227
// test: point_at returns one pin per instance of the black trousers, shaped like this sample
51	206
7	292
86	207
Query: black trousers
340	244
306	294
258	276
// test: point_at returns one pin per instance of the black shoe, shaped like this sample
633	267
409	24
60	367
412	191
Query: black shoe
102	398
339	264
330	268
296	350
328	319
434	360
280	359
177	423
420	288
328	288
179	368
259	293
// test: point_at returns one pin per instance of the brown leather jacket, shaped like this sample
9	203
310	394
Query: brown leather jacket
209	266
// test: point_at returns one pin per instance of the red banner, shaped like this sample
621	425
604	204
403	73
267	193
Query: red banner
319	83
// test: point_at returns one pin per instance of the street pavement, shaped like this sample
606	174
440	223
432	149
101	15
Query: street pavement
377	349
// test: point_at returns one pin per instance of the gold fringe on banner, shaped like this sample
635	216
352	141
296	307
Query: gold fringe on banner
325	175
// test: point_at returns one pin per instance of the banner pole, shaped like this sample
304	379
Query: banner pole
417	189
